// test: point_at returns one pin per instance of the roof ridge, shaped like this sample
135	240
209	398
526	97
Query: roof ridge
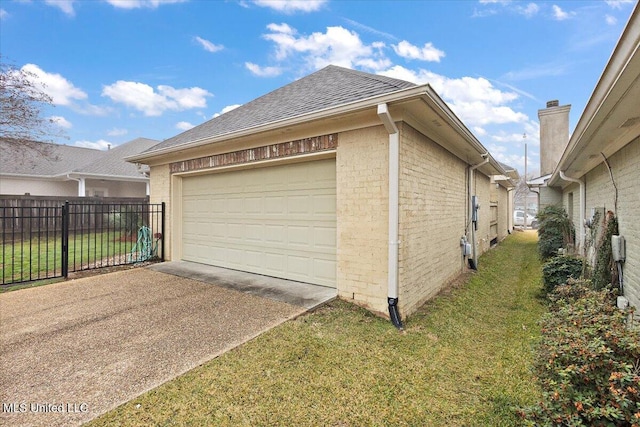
399	83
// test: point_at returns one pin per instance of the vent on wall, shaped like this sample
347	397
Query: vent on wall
630	122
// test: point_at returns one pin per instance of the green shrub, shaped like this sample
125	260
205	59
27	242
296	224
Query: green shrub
555	231
558	270
127	219
588	362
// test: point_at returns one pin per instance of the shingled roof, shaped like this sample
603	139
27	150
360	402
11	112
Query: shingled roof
54	160
329	87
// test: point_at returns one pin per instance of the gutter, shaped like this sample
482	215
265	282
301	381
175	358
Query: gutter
473	210
394	242
583	207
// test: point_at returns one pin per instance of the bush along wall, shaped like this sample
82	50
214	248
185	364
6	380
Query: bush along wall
558	270
588	361
555	231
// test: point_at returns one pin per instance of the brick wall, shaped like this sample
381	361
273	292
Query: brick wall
482	185
504	211
160	191
362	217
432	218
600	193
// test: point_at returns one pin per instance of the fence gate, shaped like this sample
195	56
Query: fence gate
48	242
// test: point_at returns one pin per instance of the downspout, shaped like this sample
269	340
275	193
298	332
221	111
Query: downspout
394	159
583	207
81	185
473	261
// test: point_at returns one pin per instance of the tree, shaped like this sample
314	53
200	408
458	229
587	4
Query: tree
522	191
21	103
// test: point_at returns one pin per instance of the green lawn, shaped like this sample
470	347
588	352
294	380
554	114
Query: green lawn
463	360
16	265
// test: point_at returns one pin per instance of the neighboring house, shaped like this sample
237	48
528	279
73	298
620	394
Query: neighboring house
342	179
43	169
598	169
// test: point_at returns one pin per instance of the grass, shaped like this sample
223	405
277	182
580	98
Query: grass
463	360
16	264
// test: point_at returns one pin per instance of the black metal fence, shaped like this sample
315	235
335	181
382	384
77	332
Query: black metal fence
44	242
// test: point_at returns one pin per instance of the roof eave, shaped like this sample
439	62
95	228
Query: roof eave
399	95
625	52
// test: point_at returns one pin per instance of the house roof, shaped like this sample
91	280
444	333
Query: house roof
111	162
329	87
339	97
46	160
611	118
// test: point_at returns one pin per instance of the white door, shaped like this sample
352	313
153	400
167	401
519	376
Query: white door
278	221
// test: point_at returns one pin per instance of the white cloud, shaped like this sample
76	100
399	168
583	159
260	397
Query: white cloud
291	6
263	71
61	91
426	53
64	5
337	46
137	4
226	109
184	125
61	121
144	98
610	20
101	144
529	10
3	14
209	46
117	132
559	14
617	4
474	100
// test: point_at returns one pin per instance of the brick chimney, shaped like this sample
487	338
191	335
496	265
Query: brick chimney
554	135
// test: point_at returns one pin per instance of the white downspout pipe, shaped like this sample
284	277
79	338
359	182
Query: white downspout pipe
394	159
472	173
81	185
583	208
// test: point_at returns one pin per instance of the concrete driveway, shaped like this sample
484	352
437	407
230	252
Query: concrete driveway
74	350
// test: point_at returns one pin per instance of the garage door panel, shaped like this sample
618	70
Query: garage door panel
278	221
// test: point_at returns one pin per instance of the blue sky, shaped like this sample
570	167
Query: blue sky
122	69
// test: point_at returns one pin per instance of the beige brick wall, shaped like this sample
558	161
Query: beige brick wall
550	197
571	204
432	218
600	193
362	217
504	211
482	185
160	189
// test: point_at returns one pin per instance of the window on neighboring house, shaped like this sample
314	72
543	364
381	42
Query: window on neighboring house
97	192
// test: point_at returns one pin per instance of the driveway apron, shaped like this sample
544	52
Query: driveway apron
74	350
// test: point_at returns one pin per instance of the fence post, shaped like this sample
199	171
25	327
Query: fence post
163	234
65	239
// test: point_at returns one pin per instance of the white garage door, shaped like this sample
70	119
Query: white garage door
279	221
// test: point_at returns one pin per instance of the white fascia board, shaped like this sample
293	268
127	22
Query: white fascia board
104	177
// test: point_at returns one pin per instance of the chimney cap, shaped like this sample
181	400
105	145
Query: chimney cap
553	103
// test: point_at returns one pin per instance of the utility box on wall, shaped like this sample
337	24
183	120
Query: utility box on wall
618	248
